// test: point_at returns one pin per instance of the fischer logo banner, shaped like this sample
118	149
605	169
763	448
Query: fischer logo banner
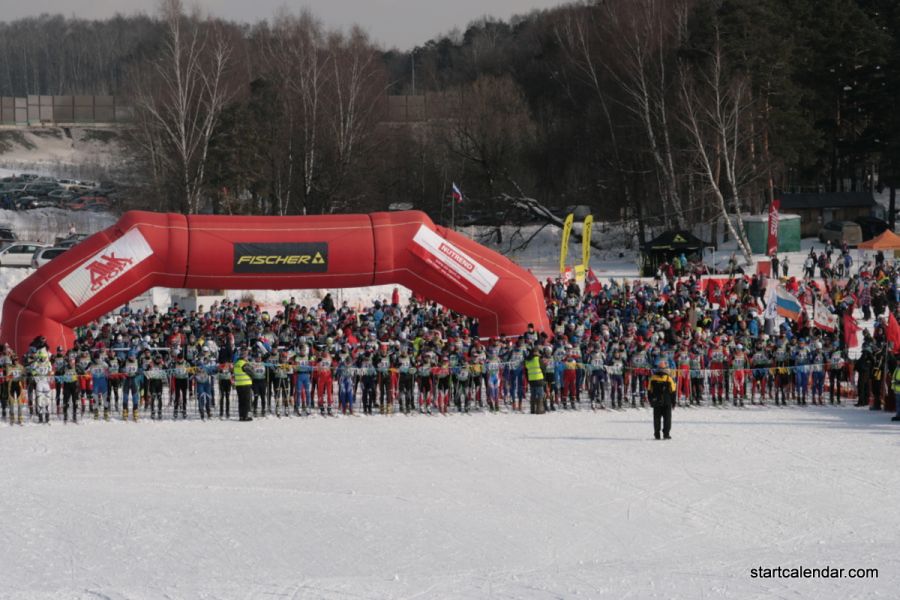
272	257
107	265
452	262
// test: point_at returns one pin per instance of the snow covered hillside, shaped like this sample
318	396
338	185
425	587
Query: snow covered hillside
74	152
568	505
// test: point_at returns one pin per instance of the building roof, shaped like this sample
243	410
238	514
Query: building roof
827	200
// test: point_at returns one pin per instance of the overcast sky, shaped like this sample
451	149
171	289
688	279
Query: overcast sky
400	23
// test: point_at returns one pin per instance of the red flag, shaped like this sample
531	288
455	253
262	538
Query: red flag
773	227
893	333
712	290
850	329
591	283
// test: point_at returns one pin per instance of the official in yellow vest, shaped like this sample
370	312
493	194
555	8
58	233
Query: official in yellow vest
243	386
535	375
661	390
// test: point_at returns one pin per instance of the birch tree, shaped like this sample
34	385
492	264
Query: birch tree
716	108
180	100
356	88
643	31
298	67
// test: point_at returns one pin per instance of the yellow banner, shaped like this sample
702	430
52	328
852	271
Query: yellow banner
579	273
564	247
586	241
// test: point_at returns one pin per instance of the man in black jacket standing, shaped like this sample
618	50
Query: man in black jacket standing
864	368
662	397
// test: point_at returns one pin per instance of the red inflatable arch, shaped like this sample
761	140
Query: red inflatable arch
144	249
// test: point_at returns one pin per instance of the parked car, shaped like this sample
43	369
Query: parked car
7	234
871	226
23	202
74	238
18	254
41	188
88	203
68	244
39	203
44	255
71	184
61	195
839	232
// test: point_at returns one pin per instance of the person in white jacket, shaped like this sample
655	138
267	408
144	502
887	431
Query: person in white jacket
42	372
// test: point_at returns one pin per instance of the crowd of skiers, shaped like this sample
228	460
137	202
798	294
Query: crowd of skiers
714	341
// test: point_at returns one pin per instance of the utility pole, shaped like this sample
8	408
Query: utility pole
413	62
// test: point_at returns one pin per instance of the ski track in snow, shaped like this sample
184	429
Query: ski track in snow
502	506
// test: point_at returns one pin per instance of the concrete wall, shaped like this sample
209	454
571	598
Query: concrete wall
62	110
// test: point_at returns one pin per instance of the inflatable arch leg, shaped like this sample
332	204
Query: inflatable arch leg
143	250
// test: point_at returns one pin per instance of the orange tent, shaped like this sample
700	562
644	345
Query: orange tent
886	241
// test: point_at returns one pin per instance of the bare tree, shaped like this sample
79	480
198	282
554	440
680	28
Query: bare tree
356	87
716	108
181	98
328	88
642	32
490	128
298	65
579	39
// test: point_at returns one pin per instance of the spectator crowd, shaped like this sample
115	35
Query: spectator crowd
713	336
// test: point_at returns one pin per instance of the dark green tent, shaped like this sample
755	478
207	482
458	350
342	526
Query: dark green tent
667	246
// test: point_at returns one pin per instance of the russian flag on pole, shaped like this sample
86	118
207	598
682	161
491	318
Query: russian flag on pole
786	304
456	194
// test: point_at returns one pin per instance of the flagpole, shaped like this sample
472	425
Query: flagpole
883	382
452	212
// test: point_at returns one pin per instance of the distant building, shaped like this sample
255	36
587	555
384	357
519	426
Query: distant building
817	209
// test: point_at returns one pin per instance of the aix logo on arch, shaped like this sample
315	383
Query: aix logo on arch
96	273
281	257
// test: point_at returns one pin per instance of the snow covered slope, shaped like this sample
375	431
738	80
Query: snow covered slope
72	152
574	505
44	224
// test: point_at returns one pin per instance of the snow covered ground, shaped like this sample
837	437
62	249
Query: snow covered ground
568	505
72	152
